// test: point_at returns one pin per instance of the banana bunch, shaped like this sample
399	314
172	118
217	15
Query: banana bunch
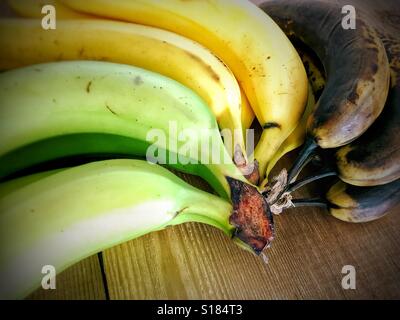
357	114
88	109
179	83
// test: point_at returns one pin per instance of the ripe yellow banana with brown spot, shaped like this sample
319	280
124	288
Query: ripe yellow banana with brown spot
316	80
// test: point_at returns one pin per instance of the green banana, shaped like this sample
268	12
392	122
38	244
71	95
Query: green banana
89	109
18	183
68	215
43	102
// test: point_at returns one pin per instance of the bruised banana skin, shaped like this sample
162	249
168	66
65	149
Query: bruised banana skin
362	204
374	158
263	60
355	62
33	9
66	216
25	42
58	111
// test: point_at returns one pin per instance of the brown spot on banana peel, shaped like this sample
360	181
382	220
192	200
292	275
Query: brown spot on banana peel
250	216
206	67
89	84
356	88
271	125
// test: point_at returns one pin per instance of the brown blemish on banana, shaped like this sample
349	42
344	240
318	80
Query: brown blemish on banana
111	110
177	213
81	52
250	216
89	84
271	125
205	66
138	81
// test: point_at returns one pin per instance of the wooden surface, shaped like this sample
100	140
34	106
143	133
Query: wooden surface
195	261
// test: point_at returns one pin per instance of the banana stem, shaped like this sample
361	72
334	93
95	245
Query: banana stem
308	151
313	202
323	173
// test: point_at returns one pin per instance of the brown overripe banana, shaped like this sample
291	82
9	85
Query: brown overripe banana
356	66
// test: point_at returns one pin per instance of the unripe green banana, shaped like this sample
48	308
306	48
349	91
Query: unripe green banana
357	204
20	182
68	215
89	109
42	103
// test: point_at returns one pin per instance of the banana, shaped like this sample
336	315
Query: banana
25	42
357	204
316	79
33	9
295	139
374	158
263	60
89	109
357	73
247	114
18	183
69	215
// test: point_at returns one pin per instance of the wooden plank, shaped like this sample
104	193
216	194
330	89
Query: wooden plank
196	261
82	281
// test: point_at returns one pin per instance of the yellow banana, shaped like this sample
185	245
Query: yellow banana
24	42
316	79
262	58
295	139
33	9
247	112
